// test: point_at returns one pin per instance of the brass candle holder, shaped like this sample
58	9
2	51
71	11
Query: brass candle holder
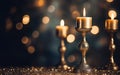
84	25
61	32
111	25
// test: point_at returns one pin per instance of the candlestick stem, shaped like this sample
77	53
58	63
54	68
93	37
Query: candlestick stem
62	50
112	48
63	65
84	46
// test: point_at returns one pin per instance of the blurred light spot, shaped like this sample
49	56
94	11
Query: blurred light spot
26	19
112	12
45	20
9	24
95	30
109	1
42	27
51	8
31	49
72	30
101	42
25	40
13	10
39	3
118	35
58	12
73	8
35	34
19	26
71	58
70	38
75	14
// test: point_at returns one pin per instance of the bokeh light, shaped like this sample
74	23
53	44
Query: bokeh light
51	8
39	3
9	24
25	40
19	26
75	14
70	38
45	20
13	10
71	58
101	42
95	30
26	19
118	35
42	27
109	1
35	34
112	12
31	49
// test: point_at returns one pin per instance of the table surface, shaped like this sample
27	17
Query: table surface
51	71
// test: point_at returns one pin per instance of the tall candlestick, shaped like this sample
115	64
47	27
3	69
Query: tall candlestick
84	25
111	25
61	32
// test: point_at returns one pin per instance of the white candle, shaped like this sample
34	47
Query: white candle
111	24
62	30
84	22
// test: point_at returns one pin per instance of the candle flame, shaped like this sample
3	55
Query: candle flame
84	12
62	22
112	16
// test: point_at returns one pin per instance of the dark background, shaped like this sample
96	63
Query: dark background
14	53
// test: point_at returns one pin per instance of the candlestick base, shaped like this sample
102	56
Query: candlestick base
83	68
112	66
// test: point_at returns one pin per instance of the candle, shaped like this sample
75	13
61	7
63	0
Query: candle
61	30
111	24
84	23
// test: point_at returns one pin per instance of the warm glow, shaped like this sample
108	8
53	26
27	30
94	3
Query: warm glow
109	1
39	3
25	40
75	14
84	12
62	22
9	24
51	8
45	20
42	27
112	14
19	26
70	38
35	34
26	19
31	49
71	58
95	30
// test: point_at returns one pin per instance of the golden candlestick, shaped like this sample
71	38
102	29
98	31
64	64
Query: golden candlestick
111	25
61	32
84	25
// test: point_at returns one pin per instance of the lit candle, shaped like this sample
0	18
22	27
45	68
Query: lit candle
61	30
84	23
111	24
